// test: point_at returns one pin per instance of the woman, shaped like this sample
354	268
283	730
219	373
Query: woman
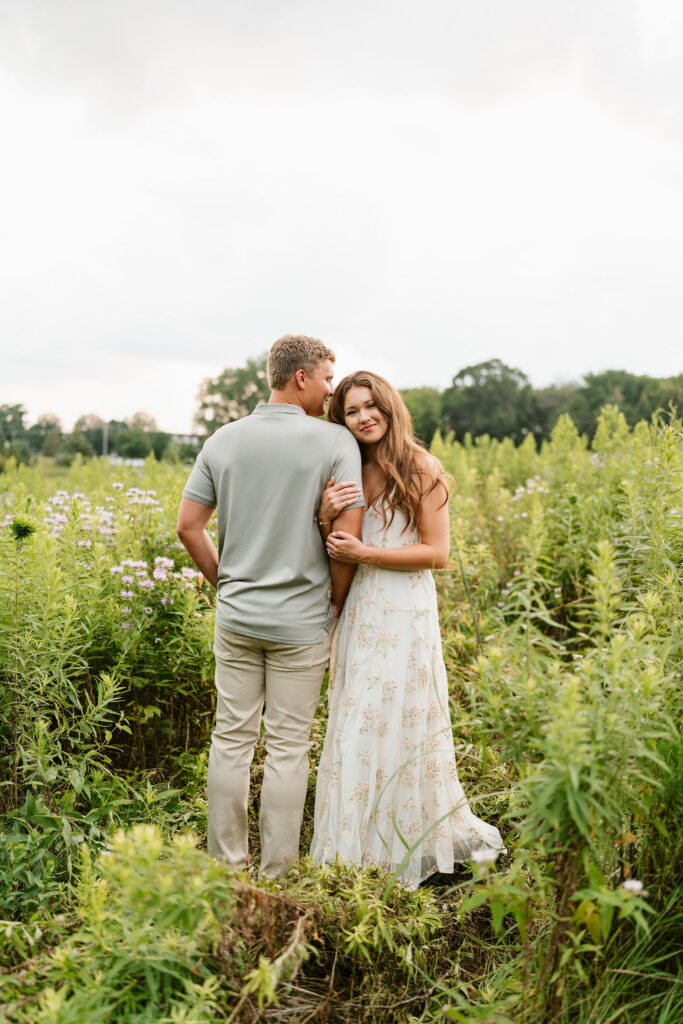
388	790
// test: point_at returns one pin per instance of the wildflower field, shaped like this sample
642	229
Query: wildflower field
562	623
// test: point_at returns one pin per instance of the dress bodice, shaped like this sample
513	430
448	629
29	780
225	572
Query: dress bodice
378	534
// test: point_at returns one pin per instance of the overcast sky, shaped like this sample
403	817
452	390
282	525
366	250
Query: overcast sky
422	185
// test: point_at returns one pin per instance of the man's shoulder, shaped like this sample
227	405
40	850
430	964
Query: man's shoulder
225	431
331	431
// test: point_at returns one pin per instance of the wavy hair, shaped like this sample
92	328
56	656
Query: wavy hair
402	458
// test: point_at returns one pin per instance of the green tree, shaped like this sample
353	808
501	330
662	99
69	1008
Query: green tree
232	394
75	443
143	420
12	426
638	397
551	403
491	398
52	442
91	426
161	444
424	406
47	425
132	443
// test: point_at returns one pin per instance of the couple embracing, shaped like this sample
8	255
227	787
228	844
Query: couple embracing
327	532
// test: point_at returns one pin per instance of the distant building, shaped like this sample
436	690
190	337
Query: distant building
196	440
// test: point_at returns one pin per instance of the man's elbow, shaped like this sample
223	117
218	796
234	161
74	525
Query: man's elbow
441	556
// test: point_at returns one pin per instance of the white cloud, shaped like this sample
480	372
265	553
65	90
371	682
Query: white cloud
423	188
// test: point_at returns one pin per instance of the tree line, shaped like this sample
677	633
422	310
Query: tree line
132	438
487	398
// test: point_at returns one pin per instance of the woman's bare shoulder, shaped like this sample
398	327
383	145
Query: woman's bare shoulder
427	466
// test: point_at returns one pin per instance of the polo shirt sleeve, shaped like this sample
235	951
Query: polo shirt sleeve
347	464
200	485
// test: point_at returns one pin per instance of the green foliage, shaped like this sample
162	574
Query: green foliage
232	394
562	622
424	406
489	398
91	682
145	946
12	421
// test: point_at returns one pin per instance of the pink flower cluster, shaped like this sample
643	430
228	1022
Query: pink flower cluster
138	497
139	580
63	506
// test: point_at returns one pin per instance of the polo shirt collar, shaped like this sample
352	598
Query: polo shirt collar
270	408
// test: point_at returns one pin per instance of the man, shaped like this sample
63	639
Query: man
265	475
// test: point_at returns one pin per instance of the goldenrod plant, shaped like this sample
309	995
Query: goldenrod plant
561	614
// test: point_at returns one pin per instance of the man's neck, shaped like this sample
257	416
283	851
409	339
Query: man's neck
287	396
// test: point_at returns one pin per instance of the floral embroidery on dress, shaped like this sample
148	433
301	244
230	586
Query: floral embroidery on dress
347	705
388	689
372	720
389	742
384	641
362	636
411	716
359	794
415	829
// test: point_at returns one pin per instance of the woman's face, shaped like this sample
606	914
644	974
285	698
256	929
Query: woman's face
363	417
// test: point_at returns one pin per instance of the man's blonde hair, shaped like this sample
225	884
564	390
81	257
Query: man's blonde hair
294	352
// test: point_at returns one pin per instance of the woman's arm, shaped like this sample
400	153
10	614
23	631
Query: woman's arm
335	499
431	553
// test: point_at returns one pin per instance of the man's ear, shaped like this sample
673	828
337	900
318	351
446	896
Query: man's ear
299	377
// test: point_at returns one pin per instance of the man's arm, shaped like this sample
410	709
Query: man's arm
341	573
192	520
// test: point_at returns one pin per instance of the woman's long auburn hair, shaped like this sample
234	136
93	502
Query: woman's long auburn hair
403	460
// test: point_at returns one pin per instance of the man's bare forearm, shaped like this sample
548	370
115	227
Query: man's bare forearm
202	551
341	575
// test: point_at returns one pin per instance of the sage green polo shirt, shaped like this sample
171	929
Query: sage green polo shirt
265	475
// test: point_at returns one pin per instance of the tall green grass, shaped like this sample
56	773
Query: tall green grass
561	621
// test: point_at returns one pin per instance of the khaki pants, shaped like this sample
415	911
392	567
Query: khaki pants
248	671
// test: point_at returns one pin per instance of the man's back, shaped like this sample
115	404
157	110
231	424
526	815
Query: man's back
265	474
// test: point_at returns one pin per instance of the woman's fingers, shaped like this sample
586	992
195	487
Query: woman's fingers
346	485
345	492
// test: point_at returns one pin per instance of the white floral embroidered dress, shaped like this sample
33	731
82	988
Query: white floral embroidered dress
387	780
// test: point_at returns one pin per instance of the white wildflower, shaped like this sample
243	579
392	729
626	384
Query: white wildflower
484	856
